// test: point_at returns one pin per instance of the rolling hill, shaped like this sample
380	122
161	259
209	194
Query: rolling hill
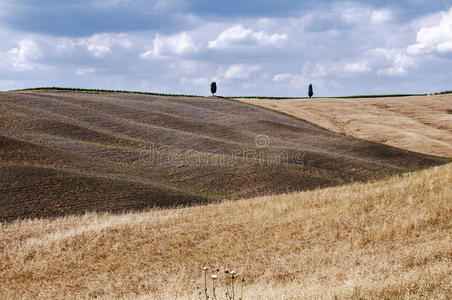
391	239
68	152
417	123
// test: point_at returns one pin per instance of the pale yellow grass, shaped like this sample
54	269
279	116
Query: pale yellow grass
391	238
419	123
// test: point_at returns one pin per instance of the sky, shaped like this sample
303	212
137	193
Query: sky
250	48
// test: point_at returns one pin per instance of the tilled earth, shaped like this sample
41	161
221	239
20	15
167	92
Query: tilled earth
67	153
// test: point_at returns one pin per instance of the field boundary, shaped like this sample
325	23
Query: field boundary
103	91
226	97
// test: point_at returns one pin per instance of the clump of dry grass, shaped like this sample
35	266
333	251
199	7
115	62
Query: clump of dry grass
391	238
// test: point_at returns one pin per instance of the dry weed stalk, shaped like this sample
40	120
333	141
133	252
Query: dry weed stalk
229	280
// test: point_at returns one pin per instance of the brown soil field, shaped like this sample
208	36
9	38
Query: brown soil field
417	123
66	153
390	239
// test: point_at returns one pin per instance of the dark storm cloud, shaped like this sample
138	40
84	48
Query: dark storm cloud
83	18
86	17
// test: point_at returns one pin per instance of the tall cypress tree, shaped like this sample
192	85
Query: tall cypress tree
213	88
310	91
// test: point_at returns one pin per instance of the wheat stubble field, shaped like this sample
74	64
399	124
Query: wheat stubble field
333	238
391	239
417	123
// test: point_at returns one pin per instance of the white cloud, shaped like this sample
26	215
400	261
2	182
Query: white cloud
444	47
265	39
24	54
350	12
235	34
425	21
101	45
283	77
177	44
380	16
239	35
320	75
324	75
356	67
266	23
322	72
437	38
280	55
400	61
99	50
65	44
240	71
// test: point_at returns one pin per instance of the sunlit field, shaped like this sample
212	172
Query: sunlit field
417	123
391	238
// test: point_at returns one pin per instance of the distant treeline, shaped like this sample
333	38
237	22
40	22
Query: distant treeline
265	97
444	92
251	97
105	91
380	96
341	97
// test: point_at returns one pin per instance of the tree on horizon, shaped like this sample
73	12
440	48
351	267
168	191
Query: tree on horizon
310	91
213	88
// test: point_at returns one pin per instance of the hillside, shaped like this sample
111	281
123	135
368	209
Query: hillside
389	239
418	123
67	152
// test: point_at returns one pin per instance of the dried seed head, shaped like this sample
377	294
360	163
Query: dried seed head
214	277
226	271
205	268
232	272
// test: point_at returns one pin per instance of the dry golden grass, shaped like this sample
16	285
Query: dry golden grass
419	123
391	238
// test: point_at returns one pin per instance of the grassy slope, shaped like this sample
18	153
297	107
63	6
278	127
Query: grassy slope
419	123
67	152
391	238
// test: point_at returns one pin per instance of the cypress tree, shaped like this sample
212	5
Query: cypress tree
213	88
310	91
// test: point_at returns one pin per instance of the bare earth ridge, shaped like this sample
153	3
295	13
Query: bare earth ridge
418	123
66	153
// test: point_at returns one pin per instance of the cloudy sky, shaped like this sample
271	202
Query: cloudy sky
255	47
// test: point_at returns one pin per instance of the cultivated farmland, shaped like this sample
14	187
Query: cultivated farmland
134	194
66	152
